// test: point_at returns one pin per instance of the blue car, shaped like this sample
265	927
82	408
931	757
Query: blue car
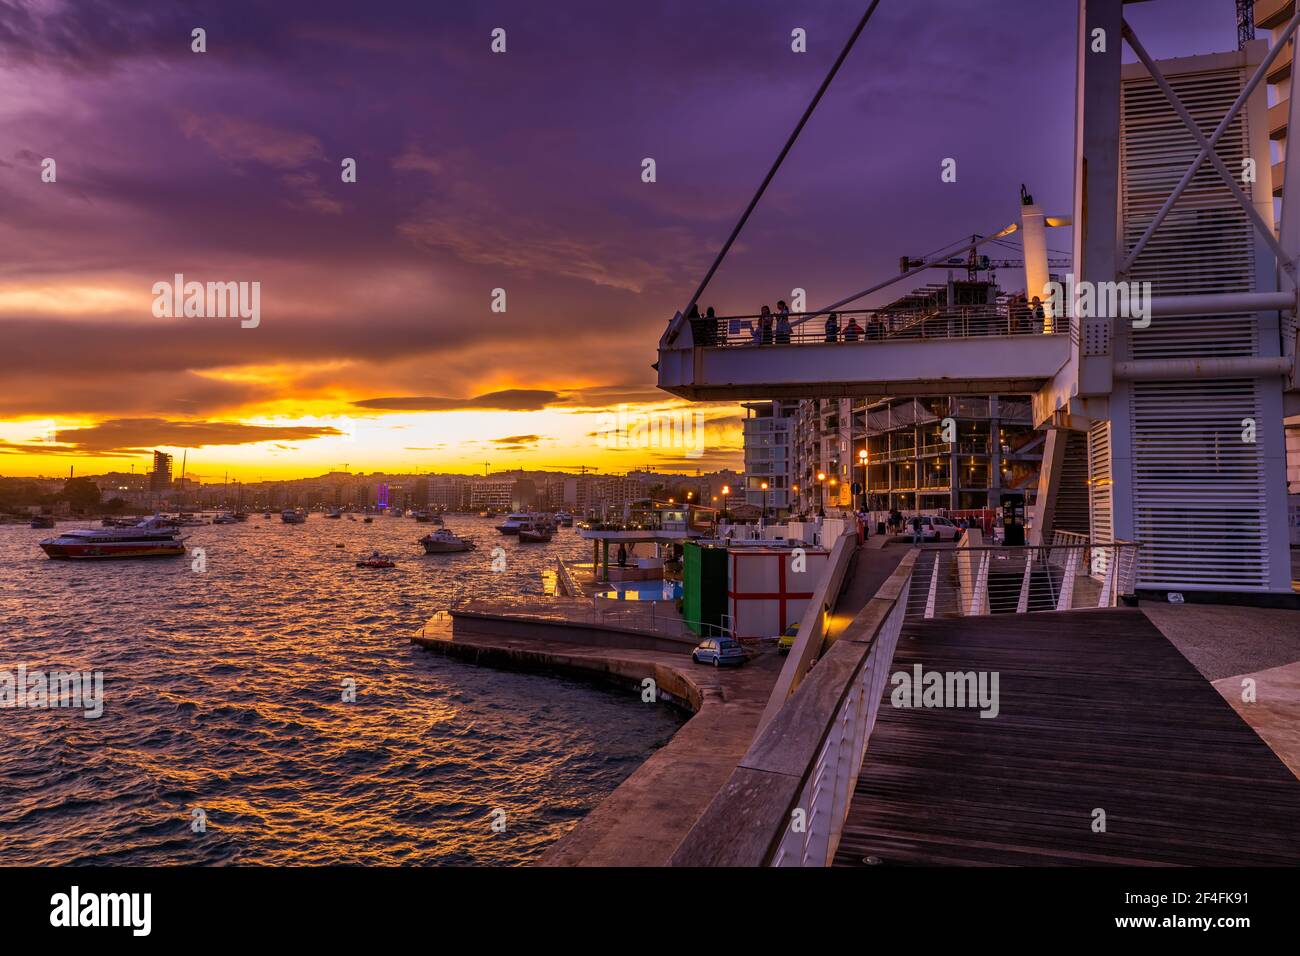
719	651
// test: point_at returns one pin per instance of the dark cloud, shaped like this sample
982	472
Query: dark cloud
511	400
137	435
518	441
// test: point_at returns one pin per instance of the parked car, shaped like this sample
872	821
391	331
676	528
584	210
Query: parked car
935	528
786	640
719	651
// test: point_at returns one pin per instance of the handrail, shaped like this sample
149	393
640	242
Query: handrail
1072	573
742	331
812	626
786	802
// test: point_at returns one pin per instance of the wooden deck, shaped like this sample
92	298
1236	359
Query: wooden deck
1097	710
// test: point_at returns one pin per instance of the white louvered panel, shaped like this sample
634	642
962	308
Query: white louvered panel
1100	497
1198	488
1100	487
1205	245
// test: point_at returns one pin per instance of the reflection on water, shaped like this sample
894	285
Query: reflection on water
223	692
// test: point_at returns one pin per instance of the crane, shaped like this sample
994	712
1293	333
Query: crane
1245	22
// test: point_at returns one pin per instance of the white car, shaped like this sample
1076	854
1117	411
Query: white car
935	528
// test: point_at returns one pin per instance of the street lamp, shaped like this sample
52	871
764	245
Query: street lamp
862	457
821	498
726	490
794	501
763	485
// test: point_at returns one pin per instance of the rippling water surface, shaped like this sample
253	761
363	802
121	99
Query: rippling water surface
223	692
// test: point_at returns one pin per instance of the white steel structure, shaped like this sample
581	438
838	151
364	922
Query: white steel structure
1177	417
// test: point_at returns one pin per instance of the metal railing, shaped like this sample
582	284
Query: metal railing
1072	573
657	618
863	326
786	802
564	579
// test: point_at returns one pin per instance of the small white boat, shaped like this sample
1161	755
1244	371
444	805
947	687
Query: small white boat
225	518
514	521
293	516
445	541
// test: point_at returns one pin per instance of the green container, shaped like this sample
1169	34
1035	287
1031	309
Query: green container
704	586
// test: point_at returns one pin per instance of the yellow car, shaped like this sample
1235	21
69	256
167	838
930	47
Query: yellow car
786	640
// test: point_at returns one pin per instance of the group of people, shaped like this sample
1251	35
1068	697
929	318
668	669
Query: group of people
775	328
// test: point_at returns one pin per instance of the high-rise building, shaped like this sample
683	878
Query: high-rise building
160	476
769	461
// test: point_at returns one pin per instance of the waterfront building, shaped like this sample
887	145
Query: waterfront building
768	430
491	494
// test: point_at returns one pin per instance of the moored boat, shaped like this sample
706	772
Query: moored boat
446	541
514	521
225	518
376	560
293	516
42	521
537	531
148	539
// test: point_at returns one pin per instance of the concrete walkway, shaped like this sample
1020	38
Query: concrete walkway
641	822
1232	646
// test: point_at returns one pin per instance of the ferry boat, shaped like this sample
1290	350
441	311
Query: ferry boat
514	521
42	521
148	539
293	516
445	541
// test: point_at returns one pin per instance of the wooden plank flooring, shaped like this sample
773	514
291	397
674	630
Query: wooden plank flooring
1097	710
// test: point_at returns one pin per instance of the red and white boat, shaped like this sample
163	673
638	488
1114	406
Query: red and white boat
148	539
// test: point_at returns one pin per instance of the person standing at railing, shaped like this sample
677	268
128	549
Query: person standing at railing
703	331
852	331
875	328
1039	316
783	327
833	327
765	326
756	330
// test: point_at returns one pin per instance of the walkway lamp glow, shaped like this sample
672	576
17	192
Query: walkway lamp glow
763	486
821	498
726	490
862	457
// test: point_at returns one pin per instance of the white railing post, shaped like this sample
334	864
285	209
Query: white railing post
934	588
1066	598
1022	605
1107	598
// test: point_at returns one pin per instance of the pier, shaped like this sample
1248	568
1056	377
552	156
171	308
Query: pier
1098	712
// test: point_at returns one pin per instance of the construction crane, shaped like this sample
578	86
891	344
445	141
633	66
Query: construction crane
1245	22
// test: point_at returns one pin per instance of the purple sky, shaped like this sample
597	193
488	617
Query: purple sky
478	171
